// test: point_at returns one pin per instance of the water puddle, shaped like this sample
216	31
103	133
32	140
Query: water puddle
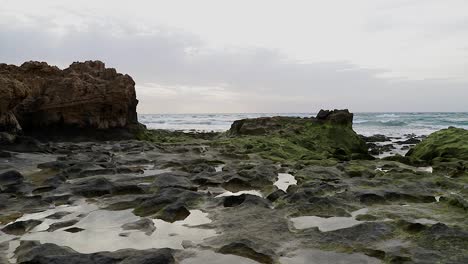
425	221
228	193
210	257
314	256
104	229
284	181
421	169
381	169
150	171
219	168
425	169
328	224
26	163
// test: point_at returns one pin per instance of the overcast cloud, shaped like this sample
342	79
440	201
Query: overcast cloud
256	56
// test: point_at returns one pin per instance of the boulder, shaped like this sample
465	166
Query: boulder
173	212
59	225
145	225
172	198
20	227
248	249
11	178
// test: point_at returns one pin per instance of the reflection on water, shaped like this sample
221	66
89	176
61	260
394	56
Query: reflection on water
102	229
313	256
284	181
219	168
425	221
151	170
328	224
252	192
425	169
209	257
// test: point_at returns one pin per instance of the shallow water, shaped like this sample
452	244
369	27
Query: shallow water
25	163
219	168
314	256
228	193
425	169
284	181
328	224
102	229
425	221
210	257
150	170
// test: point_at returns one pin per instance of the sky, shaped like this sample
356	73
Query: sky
218	56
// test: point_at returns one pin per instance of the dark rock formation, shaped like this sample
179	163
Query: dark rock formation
10	178
34	252
248	249
339	117
375	138
20	227
268	125
86	95
59	225
144	225
172	198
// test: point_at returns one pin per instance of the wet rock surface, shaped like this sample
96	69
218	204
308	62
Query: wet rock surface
171	202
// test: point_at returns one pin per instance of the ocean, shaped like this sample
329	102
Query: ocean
389	124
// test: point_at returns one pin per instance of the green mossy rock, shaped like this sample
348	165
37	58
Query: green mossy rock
450	143
292	138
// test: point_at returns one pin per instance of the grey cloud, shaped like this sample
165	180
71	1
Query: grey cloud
262	79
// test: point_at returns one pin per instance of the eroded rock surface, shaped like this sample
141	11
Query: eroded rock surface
36	95
143	196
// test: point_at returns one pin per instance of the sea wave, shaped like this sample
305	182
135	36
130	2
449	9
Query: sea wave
387	116
390	124
381	123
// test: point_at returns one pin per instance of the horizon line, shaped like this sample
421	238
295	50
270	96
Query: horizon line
360	112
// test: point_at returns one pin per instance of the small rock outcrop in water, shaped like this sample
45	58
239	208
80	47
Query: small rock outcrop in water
329	135
36	95
266	125
340	117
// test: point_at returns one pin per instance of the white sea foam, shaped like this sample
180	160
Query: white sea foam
390	124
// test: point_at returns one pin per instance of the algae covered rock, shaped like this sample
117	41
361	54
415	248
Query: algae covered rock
450	143
329	135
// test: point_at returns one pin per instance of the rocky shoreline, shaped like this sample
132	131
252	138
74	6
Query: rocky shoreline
269	190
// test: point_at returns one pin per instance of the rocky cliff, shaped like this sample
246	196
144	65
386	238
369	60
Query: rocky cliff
86	95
